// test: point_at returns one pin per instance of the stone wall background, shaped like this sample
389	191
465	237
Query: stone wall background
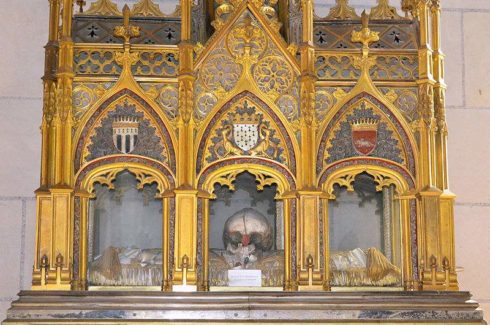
466	35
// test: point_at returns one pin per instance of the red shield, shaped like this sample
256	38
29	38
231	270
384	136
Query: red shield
364	141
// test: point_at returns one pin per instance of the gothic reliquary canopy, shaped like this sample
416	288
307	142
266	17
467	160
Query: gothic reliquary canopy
241	145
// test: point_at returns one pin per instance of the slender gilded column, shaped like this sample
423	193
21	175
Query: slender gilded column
186	195
49	81
43	196
430	239
309	274
446	213
52	264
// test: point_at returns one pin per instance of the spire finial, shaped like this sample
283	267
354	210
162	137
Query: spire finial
126	31
365	35
364	19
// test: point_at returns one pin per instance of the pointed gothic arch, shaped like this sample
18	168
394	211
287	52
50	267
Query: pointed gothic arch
393	143
157	127
281	148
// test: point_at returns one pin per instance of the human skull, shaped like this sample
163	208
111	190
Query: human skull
248	226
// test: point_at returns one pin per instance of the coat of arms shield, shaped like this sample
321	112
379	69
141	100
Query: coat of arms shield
245	136
125	131
364	135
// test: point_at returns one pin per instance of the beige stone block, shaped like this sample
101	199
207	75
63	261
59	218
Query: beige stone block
452	48
473	248
4	305
477	67
469	154
24	26
20	140
485	306
10	228
465	5
29	243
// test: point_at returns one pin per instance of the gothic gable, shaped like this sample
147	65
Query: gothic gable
365	128
125	125
246	127
246	54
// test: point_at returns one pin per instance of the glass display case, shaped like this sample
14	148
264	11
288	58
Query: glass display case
246	233
364	235
125	234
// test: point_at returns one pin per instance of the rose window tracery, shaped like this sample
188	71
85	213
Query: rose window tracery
220	73
273	75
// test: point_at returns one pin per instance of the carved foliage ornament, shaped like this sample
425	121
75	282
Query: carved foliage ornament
103	8
384	11
348	178
143	8
246	36
227	7
143	178
342	11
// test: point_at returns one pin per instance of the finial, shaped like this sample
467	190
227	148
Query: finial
364	19
433	262
44	261
59	260
445	264
126	14
309	261
365	35
126	31
185	262
80	4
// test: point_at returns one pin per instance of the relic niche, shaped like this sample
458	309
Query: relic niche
245	233
125	234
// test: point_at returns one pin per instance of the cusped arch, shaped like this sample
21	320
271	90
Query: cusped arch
395	142
272	135
266	172
157	126
384	175
105	170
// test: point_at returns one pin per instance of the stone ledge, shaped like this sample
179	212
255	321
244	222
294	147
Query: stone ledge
116	307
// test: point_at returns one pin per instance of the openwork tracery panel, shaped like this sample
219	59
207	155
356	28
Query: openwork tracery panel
103	62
